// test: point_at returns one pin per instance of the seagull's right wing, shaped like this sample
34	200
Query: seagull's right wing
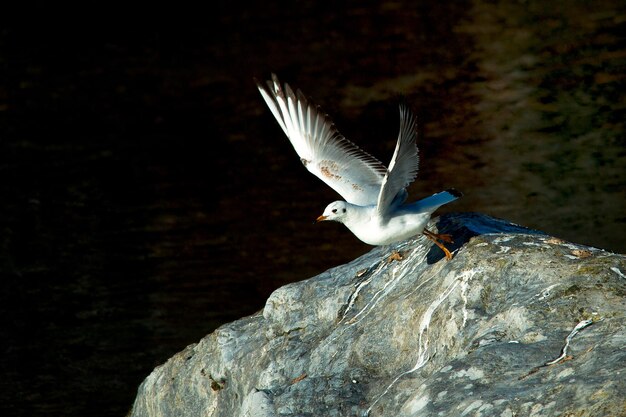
404	163
354	174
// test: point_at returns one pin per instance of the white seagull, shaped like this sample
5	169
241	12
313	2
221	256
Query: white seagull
374	209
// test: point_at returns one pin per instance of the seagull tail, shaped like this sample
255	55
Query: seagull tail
432	203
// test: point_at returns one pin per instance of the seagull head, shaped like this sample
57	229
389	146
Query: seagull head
336	211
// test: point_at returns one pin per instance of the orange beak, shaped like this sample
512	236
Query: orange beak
320	219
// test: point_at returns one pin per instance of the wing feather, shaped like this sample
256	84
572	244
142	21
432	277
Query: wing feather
353	173
404	163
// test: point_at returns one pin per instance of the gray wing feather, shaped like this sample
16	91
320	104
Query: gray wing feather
404	163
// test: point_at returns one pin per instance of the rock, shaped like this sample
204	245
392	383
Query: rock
518	323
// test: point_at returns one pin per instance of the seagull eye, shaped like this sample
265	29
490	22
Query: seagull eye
344	210
334	210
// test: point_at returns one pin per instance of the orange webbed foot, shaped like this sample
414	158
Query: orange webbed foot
436	238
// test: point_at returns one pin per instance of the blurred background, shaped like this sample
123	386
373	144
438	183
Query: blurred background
147	195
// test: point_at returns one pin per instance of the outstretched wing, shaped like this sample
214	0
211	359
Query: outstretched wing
404	163
354	174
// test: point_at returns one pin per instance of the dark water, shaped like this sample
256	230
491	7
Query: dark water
148	196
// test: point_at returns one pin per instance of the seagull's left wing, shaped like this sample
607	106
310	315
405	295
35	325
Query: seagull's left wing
404	163
327	154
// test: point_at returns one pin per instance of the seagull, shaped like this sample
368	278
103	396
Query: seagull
374	209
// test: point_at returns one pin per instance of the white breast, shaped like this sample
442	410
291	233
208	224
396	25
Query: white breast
375	231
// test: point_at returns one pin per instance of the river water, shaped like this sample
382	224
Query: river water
148	195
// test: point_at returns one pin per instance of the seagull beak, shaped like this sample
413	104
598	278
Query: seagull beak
321	219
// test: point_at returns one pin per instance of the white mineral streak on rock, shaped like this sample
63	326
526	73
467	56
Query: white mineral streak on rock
423	341
569	338
618	272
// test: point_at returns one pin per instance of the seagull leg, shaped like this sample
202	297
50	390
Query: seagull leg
436	238
444	237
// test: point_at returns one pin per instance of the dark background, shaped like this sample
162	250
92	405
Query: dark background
148	195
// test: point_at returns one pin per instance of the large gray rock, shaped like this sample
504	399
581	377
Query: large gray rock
517	324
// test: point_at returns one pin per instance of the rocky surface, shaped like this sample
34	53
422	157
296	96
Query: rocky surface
517	324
